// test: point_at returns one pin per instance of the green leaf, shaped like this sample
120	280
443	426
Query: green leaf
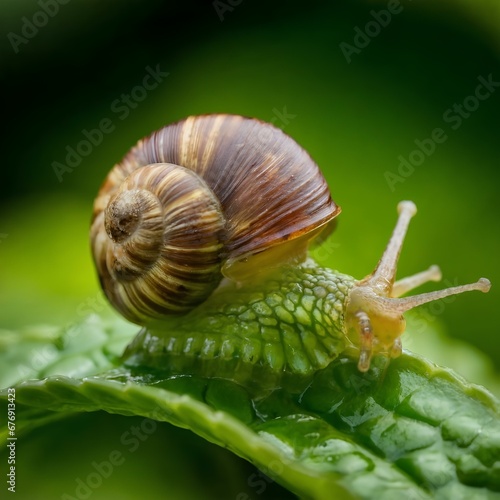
404	428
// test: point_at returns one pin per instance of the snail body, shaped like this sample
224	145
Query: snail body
201	235
286	326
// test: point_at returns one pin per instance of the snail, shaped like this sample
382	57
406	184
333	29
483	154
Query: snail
201	235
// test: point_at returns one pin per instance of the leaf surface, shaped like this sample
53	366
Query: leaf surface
404	428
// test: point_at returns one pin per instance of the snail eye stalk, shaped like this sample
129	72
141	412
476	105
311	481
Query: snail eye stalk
374	314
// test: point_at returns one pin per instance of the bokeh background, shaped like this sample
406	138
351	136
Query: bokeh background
281	62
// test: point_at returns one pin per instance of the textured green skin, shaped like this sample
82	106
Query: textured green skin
282	328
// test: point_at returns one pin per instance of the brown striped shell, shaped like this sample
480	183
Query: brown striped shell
196	200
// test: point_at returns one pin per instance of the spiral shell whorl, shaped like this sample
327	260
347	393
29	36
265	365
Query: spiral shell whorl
132	221
197	197
165	243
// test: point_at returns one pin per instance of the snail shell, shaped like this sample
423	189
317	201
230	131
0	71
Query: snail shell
200	199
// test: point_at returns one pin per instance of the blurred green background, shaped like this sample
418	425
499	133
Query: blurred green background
280	62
